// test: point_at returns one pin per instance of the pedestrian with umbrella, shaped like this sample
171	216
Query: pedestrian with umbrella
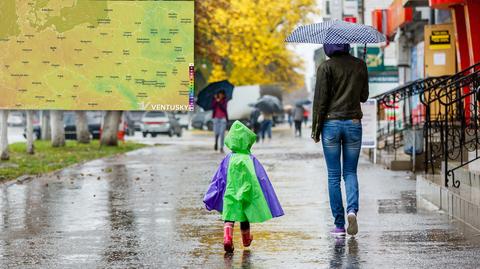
288	109
306	113
215	97
266	125
268	105
297	119
341	85
255	122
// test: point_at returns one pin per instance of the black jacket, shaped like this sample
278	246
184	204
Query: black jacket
342	83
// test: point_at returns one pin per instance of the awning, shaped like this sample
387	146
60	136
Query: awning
415	3
398	16
444	4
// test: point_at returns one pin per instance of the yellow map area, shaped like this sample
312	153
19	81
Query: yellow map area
95	55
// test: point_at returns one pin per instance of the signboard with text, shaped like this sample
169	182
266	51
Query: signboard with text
369	124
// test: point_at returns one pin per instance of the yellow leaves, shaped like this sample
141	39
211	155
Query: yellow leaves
244	39
218	73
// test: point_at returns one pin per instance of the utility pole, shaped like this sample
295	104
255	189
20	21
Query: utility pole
361	11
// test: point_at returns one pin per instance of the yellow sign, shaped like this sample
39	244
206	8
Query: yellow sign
96	55
440	40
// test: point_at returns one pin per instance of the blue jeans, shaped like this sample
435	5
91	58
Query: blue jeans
266	128
342	138
219	127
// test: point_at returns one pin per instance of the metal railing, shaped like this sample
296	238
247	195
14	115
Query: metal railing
449	118
451	123
390	137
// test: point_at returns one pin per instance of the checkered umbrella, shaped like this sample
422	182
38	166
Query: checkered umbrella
336	32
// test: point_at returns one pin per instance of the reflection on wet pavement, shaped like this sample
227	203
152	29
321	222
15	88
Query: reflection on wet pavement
345	255
144	210
406	204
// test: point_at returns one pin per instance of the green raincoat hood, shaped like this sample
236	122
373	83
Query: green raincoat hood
240	138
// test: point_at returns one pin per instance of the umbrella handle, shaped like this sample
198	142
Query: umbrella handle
365	53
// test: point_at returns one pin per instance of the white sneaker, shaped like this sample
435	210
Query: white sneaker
352	224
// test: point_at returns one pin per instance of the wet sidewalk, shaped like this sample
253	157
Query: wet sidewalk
144	210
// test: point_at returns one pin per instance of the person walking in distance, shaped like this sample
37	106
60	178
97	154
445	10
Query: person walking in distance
306	114
220	118
297	119
266	125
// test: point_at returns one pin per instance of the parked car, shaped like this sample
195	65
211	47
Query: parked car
136	118
183	119
94	120
16	118
202	119
159	122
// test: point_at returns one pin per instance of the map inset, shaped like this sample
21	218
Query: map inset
96	55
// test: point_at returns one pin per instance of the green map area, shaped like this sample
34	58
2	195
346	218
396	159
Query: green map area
96	55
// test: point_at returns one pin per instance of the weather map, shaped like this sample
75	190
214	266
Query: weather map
96	55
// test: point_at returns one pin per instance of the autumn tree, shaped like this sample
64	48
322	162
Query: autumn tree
243	40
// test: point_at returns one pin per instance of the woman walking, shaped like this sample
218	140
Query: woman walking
266	125
342	83
297	118
220	118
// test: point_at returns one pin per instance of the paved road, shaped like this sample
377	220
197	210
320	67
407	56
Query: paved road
144	210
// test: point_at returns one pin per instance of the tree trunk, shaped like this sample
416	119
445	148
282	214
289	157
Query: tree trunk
111	121
83	134
46	133
4	135
58	128
29	132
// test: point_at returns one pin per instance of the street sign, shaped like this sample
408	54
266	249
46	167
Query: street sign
369	124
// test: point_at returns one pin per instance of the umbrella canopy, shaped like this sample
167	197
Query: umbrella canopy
205	97
288	108
336	32
303	102
269	104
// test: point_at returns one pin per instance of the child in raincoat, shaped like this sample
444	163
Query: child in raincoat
240	189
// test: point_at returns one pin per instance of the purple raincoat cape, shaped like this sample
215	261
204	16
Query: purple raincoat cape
214	197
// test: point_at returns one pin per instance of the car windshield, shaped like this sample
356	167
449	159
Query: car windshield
94	118
155	114
69	119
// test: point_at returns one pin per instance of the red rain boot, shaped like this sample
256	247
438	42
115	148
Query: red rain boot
228	237
247	238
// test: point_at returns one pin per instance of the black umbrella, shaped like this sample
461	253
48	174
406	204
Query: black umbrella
205	97
269	104
303	102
